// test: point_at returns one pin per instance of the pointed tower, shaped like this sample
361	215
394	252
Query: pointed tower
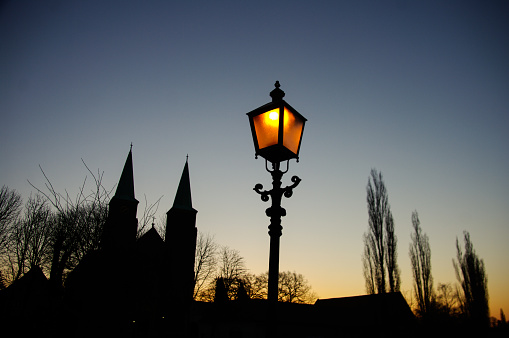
181	240
120	229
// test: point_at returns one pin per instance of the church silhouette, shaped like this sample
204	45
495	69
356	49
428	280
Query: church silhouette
143	284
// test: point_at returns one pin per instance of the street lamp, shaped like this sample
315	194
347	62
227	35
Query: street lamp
277	133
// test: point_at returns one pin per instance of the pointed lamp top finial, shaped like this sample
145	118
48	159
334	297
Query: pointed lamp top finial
277	94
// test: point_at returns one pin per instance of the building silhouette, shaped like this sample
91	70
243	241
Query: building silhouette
143	284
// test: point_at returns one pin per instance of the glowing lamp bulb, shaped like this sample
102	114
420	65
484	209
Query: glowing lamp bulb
274	115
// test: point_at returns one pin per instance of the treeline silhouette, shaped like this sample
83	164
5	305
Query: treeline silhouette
450	307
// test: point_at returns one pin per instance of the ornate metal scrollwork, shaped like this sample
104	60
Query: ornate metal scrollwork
288	191
264	194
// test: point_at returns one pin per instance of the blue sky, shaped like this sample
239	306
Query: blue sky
417	90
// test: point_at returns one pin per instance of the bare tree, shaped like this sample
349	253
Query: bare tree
79	223
294	288
471	274
205	262
38	221
447	300
231	269
380	242
256	285
30	238
444	314
10	208
420	258
224	264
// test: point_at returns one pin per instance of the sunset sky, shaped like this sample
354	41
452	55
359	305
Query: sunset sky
416	89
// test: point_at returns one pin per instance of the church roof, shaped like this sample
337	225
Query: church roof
125	188
150	238
183	196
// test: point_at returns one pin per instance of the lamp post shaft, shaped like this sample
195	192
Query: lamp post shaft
273	269
275	212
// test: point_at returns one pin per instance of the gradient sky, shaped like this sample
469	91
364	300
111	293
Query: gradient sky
417	89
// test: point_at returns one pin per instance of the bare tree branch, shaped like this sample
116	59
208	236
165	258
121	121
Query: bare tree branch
148	216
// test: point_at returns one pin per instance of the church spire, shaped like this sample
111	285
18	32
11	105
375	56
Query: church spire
183	196
180	242
125	188
120	228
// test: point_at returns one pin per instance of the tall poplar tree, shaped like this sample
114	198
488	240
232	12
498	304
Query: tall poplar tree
420	258
380	265
471	274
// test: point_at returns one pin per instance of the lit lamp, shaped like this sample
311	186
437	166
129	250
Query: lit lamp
277	129
277	133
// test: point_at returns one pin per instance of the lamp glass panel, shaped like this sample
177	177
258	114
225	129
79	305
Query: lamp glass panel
292	131
266	127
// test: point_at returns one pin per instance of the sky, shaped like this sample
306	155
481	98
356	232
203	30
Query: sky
416	89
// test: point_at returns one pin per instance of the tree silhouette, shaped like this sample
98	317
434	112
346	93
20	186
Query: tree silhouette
256	285
224	263
242	293
29	239
220	293
77	232
292	287
205	262
447	302
471	274
420	259
10	208
381	272
79	223
502	322
232	270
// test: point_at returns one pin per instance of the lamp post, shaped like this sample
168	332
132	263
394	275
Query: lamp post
277	133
